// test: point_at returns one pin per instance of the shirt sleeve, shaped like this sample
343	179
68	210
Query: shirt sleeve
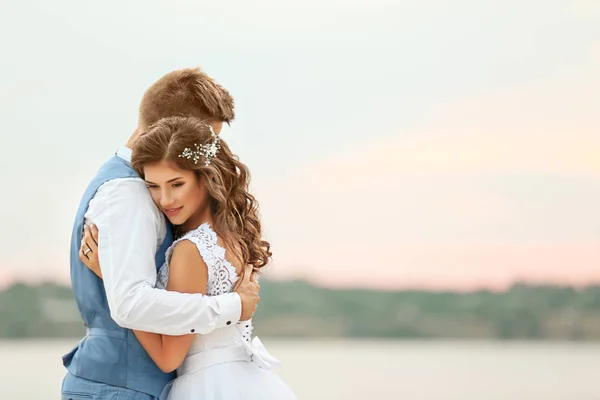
129	227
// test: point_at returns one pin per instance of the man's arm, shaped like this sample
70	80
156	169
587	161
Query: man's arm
187	274
129	226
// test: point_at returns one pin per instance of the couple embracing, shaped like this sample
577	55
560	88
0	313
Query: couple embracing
165	251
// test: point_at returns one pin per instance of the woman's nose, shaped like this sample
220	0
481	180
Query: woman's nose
166	200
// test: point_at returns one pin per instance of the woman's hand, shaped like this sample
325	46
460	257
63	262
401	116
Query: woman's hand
88	253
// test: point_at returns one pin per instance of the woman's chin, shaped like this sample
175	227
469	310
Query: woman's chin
176	220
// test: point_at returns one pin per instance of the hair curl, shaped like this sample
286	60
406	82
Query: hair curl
234	210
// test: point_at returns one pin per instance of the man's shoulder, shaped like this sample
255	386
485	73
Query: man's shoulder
116	167
129	182
124	193
124	199
127	186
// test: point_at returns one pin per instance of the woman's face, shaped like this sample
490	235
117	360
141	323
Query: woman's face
178	193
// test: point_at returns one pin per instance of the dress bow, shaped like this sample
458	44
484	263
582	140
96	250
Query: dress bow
260	355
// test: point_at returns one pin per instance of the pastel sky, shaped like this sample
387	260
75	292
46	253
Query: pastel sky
439	144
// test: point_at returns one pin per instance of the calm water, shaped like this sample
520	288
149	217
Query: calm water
371	370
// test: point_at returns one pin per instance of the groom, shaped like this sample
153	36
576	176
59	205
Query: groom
109	362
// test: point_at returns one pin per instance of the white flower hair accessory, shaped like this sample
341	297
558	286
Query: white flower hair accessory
208	151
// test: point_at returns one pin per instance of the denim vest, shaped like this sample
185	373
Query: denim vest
108	353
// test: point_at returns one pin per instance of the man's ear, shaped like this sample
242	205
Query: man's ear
217	126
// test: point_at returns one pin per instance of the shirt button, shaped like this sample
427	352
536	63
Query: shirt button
193	330
228	322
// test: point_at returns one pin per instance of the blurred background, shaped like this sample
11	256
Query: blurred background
428	174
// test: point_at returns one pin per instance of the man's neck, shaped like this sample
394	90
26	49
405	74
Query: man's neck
134	137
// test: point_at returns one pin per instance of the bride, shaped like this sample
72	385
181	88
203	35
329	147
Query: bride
202	188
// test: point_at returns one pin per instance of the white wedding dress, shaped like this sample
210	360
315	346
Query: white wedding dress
227	363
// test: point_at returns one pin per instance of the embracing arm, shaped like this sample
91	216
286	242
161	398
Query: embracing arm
128	224
187	274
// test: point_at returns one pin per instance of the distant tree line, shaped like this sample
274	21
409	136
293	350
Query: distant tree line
298	309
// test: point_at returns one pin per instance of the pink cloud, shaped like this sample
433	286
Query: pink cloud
463	266
5	278
547	125
395	213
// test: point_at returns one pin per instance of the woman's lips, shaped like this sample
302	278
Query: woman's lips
171	212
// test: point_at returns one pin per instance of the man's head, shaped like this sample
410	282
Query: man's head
186	92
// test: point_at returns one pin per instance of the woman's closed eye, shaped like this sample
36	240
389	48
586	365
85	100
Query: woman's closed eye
175	185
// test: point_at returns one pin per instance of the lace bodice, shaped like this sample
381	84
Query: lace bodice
222	277
221	274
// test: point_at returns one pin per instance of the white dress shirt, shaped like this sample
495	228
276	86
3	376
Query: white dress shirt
131	229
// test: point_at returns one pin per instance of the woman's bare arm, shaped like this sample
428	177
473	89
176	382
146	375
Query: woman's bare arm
187	274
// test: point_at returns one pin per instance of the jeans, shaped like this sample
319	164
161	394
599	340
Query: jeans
75	388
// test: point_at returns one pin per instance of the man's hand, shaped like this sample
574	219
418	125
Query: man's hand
248	290
88	253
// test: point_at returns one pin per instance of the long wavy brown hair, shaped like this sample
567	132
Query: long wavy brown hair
234	210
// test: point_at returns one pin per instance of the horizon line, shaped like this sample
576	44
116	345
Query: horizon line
421	287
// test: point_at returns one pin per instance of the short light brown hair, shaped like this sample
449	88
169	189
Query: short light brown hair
186	92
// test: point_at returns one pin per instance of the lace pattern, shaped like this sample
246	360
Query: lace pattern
163	276
221	274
